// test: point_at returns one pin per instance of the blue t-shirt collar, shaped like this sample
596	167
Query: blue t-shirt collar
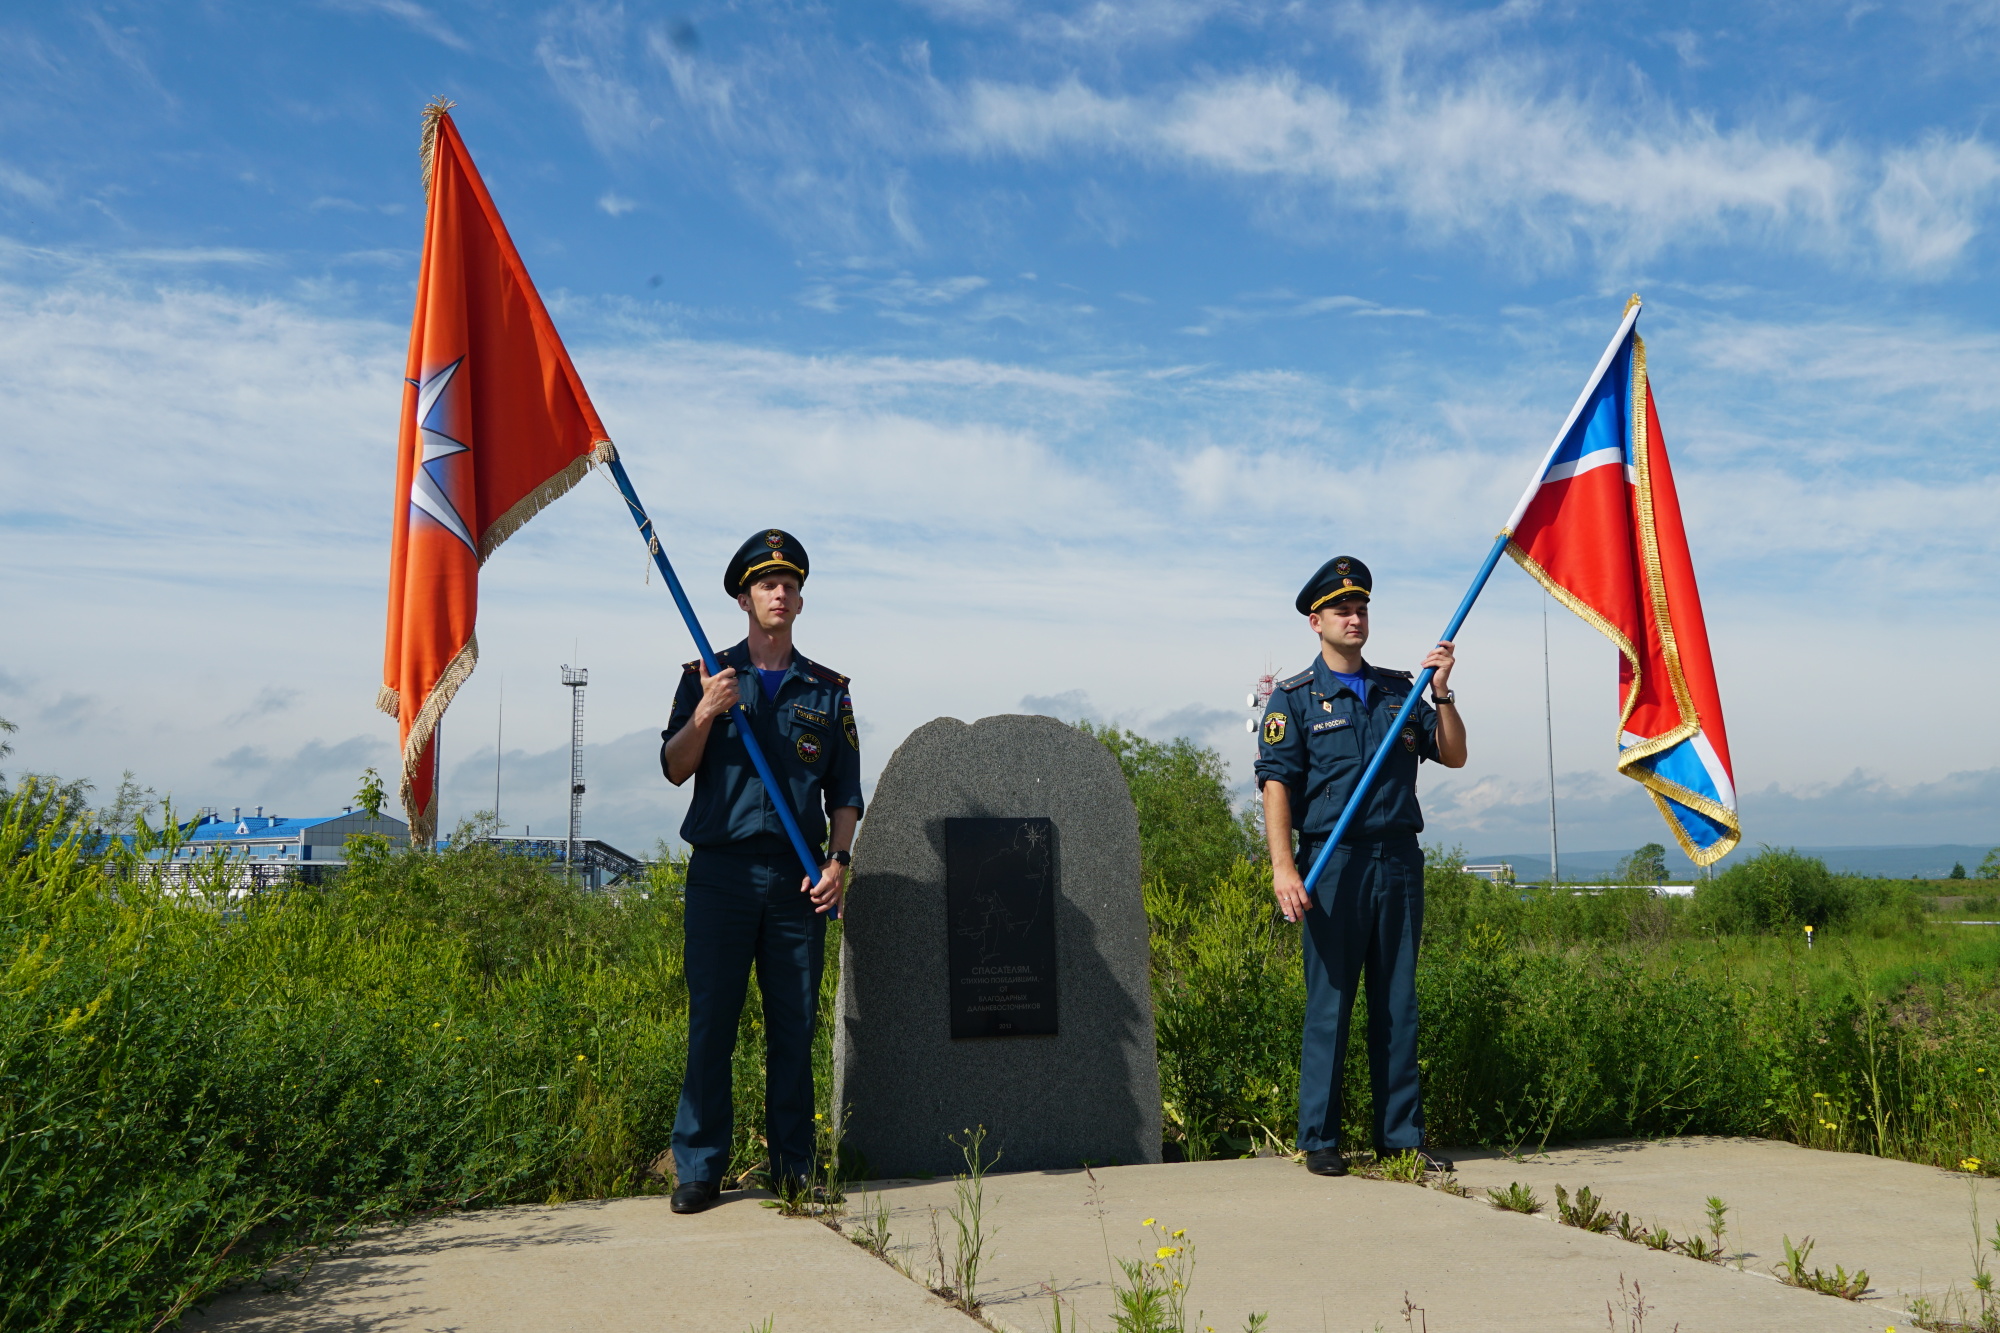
1357	682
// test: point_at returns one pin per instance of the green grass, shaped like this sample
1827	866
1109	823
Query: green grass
191	1089
187	1094
1552	1016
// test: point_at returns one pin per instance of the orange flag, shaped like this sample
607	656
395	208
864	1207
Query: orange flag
495	425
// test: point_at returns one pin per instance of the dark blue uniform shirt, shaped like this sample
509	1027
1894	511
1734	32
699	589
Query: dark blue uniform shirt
807	733
1318	737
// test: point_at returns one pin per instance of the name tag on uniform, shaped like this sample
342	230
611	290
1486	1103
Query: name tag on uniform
1331	724
811	715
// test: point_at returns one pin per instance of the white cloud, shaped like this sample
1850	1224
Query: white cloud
1487	157
1926	211
416	17
218	491
1469	130
615	204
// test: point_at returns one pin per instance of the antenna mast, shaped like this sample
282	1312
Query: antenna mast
576	678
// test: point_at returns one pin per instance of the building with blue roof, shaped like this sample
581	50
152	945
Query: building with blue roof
315	841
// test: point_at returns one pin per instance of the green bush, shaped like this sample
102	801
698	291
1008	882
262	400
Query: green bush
1557	1015
1188	833
1782	891
187	1092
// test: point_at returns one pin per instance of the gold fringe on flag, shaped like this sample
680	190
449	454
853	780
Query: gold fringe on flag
544	495
423	823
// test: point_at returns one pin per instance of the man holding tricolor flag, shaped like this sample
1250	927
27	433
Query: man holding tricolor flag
495	425
1600	527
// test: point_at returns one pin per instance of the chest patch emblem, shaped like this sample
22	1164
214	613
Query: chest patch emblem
1274	728
808	747
1410	739
1331	724
814	716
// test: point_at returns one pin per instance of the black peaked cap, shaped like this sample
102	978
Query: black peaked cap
771	549
1342	576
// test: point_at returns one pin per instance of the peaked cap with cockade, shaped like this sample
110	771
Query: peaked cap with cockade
1342	576
771	549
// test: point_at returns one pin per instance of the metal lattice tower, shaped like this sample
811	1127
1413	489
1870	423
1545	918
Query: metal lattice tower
576	678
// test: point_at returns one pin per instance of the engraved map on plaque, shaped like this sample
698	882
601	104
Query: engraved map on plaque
1000	915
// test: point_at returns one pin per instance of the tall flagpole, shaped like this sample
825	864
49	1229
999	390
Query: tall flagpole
742	718
1549	729
1465	606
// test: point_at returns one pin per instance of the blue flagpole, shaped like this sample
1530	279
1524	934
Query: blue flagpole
742	718
1403	715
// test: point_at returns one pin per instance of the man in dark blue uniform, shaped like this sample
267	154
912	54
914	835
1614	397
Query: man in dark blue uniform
1320	730
746	898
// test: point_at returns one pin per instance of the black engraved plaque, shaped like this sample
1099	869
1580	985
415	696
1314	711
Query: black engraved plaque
1000	919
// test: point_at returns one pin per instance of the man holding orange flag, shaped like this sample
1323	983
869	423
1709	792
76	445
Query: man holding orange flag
745	899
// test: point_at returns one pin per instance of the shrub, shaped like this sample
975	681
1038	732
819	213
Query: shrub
1188	833
186	1094
1781	891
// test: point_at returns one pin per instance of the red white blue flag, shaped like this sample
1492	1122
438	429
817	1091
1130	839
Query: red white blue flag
1600	528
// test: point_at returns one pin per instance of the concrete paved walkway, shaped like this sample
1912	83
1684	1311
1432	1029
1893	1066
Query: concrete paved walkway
613	1267
1315	1255
1340	1255
1910	1226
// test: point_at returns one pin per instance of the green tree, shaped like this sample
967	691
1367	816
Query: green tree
1189	834
129	805
1648	865
371	797
1988	869
1957	870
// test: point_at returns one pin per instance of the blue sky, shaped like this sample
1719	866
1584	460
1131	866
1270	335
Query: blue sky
1069	338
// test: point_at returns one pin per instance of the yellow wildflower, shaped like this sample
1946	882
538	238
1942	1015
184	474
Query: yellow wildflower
1180	1233
1149	1221
1166	1252
1970	1164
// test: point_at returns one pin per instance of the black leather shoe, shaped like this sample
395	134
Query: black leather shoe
1326	1162
694	1196
1444	1166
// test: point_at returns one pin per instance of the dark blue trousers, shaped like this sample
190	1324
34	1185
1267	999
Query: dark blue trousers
1367	915
745	909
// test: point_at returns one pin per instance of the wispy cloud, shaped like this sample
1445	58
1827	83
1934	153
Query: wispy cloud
945	498
1456	127
418	18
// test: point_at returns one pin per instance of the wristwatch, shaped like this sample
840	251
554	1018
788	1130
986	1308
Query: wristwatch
1448	697
844	856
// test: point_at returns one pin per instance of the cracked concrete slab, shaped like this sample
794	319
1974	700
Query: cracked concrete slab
1315	1255
608	1267
1339	1255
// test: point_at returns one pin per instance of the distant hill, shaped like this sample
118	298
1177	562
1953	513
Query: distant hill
1895	862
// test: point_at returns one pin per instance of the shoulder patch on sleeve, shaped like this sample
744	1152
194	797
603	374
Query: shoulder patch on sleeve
1274	728
1293	682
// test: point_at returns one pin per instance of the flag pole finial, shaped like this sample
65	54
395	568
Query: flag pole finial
437	109
1629	301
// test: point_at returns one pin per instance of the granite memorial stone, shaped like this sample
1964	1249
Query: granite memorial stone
994	957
